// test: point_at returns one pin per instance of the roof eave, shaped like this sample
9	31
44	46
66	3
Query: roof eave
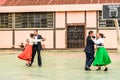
51	8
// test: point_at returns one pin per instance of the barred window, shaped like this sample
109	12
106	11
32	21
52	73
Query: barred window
5	20
34	20
105	23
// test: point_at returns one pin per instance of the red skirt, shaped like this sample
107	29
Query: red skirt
26	54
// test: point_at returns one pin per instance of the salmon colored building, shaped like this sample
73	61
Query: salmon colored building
64	23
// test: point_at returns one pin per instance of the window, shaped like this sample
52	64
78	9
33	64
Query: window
105	23
34	20
5	20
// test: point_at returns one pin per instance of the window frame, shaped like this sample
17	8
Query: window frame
40	24
13	22
9	19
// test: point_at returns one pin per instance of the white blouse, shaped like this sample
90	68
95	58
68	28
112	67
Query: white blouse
33	41
98	41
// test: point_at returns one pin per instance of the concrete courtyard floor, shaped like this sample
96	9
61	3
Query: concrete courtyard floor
57	65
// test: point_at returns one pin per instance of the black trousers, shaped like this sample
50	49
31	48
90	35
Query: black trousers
89	59
34	50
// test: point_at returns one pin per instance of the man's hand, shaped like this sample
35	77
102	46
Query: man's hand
43	39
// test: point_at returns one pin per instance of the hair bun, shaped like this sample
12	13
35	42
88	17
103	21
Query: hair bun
103	36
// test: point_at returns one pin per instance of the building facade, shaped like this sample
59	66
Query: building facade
65	24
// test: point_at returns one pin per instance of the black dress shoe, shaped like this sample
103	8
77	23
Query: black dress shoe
87	69
98	69
106	69
40	65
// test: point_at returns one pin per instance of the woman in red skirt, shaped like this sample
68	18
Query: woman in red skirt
27	53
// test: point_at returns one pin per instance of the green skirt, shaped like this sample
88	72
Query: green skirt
102	58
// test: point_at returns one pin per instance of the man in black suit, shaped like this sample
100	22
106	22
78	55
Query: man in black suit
37	47
89	50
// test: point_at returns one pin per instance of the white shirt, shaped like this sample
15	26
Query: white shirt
98	41
33	41
36	40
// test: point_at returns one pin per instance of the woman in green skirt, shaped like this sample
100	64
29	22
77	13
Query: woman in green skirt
102	58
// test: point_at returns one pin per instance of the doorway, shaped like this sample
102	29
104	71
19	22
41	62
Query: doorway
75	37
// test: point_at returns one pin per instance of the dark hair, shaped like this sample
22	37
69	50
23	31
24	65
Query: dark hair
90	32
31	35
102	35
36	30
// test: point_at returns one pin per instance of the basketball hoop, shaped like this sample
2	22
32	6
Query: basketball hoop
113	12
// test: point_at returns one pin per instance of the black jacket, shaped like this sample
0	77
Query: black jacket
39	43
89	45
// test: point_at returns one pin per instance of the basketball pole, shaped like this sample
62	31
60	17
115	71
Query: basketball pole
118	35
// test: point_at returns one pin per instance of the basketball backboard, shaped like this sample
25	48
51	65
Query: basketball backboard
111	11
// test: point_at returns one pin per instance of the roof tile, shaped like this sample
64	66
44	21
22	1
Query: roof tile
53	2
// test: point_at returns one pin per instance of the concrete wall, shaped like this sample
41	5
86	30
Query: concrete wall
91	19
111	38
75	17
60	30
60	19
6	39
21	36
60	39
49	35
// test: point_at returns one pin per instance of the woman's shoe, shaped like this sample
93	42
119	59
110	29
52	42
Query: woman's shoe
98	69
28	64
106	69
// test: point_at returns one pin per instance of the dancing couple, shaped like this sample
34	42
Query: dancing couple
101	58
33	46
